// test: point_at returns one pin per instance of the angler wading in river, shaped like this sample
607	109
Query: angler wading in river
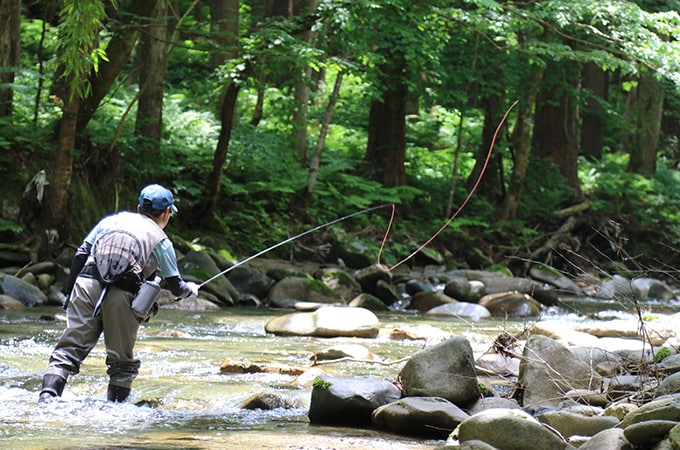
110	290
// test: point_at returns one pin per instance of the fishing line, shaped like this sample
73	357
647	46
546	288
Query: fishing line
297	236
460	208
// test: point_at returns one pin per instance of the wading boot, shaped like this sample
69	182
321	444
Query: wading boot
117	393
52	387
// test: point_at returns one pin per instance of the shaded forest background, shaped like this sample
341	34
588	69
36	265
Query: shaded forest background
554	125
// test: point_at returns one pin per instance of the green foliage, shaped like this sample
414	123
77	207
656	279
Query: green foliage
648	201
545	190
319	383
663	352
80	21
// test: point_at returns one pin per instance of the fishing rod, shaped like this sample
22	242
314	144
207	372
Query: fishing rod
297	236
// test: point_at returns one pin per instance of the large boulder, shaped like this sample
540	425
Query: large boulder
22	291
292	290
445	370
328	321
199	266
420	416
548	370
509	429
349	400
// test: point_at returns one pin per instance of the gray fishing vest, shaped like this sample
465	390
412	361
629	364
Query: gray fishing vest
125	246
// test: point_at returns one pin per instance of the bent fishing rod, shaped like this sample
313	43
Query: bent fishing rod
290	239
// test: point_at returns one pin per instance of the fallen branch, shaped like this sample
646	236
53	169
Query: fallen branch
349	358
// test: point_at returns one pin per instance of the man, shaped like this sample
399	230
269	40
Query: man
120	252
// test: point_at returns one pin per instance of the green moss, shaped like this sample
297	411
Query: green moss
663	352
321	287
320	383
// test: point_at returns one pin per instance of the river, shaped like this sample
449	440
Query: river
181	400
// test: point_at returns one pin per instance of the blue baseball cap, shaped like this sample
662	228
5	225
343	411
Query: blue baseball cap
155	197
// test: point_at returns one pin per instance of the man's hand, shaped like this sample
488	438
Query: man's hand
194	288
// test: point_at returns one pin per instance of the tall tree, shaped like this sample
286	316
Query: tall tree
555	133
644	113
126	30
304	10
10	16
386	145
80	22
153	50
595	90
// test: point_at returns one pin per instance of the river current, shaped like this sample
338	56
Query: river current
181	400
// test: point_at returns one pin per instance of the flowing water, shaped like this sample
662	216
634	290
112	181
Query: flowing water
181	400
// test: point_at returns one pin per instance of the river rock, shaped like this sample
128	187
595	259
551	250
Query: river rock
329	321
368	277
670	364
471	445
674	436
609	439
595	357
368	301
425	332
412	287
22	291
465	290
511	304
548	370
446	370
636	289
485	403
266	401
648	432
247	280
667	408
10	303
291	290
509	429
386	292
460	310
54	296
570	424
341	282
198	266
425	301
497	364
553	276
669	385
349	400
354	351
419	416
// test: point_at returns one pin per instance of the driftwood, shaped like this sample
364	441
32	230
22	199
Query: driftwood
370	361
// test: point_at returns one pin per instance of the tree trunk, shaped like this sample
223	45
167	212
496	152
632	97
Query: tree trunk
386	149
149	122
556	123
318	150
118	53
224	28
214	179
491	184
54	226
645	114
301	107
595	88
521	141
10	18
